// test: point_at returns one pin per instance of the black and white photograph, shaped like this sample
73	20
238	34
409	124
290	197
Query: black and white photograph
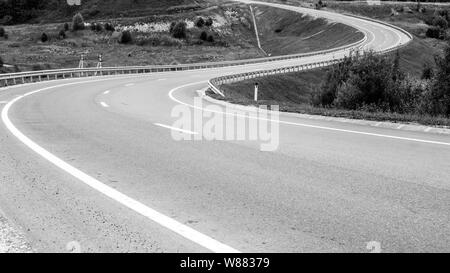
224	133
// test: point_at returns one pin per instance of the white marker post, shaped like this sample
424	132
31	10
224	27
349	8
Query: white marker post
256	91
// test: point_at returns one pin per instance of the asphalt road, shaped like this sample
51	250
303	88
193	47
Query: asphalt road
329	187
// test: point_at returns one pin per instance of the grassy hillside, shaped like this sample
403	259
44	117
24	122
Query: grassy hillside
33	11
285	32
232	32
233	38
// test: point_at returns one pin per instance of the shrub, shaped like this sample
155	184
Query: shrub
200	22
1	62
210	39
179	30
440	21
126	37
361	81
109	27
435	32
62	34
2	32
204	36
209	22
440	93
66	27
44	37
172	26
96	27
78	22
427	71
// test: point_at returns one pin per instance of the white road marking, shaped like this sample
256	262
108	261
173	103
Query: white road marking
129	84
106	92
165	221
104	104
300	124
3	102
175	129
161	80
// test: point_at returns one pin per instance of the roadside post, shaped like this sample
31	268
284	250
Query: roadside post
99	64
81	64
256	91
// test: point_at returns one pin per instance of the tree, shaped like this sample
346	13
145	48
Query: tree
203	36
44	37
78	22
427	71
1	62
199	22
2	32
440	21
179	30
209	22
440	94
126	37
62	34
109	27
397	74
66	27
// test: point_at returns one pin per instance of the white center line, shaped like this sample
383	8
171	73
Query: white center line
176	129
104	104
161	79
129	84
106	92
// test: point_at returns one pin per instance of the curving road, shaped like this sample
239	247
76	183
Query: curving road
94	161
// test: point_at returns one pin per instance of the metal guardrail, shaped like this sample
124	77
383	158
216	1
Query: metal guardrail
215	83
46	75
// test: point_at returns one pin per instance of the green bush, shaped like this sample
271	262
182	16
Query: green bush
427	71
66	27
96	27
172	26
210	39
435	33
1	62
203	36
62	34
440	21
179	30
2	32
440	93
200	22
209	22
126	37
374	83
78	22
44	37
109	27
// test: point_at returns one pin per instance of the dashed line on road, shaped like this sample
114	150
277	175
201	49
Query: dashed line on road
159	218
176	129
106	92
129	84
104	104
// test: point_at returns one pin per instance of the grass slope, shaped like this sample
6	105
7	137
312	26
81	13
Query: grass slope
286	32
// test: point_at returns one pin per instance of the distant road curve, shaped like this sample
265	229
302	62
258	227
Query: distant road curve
92	163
